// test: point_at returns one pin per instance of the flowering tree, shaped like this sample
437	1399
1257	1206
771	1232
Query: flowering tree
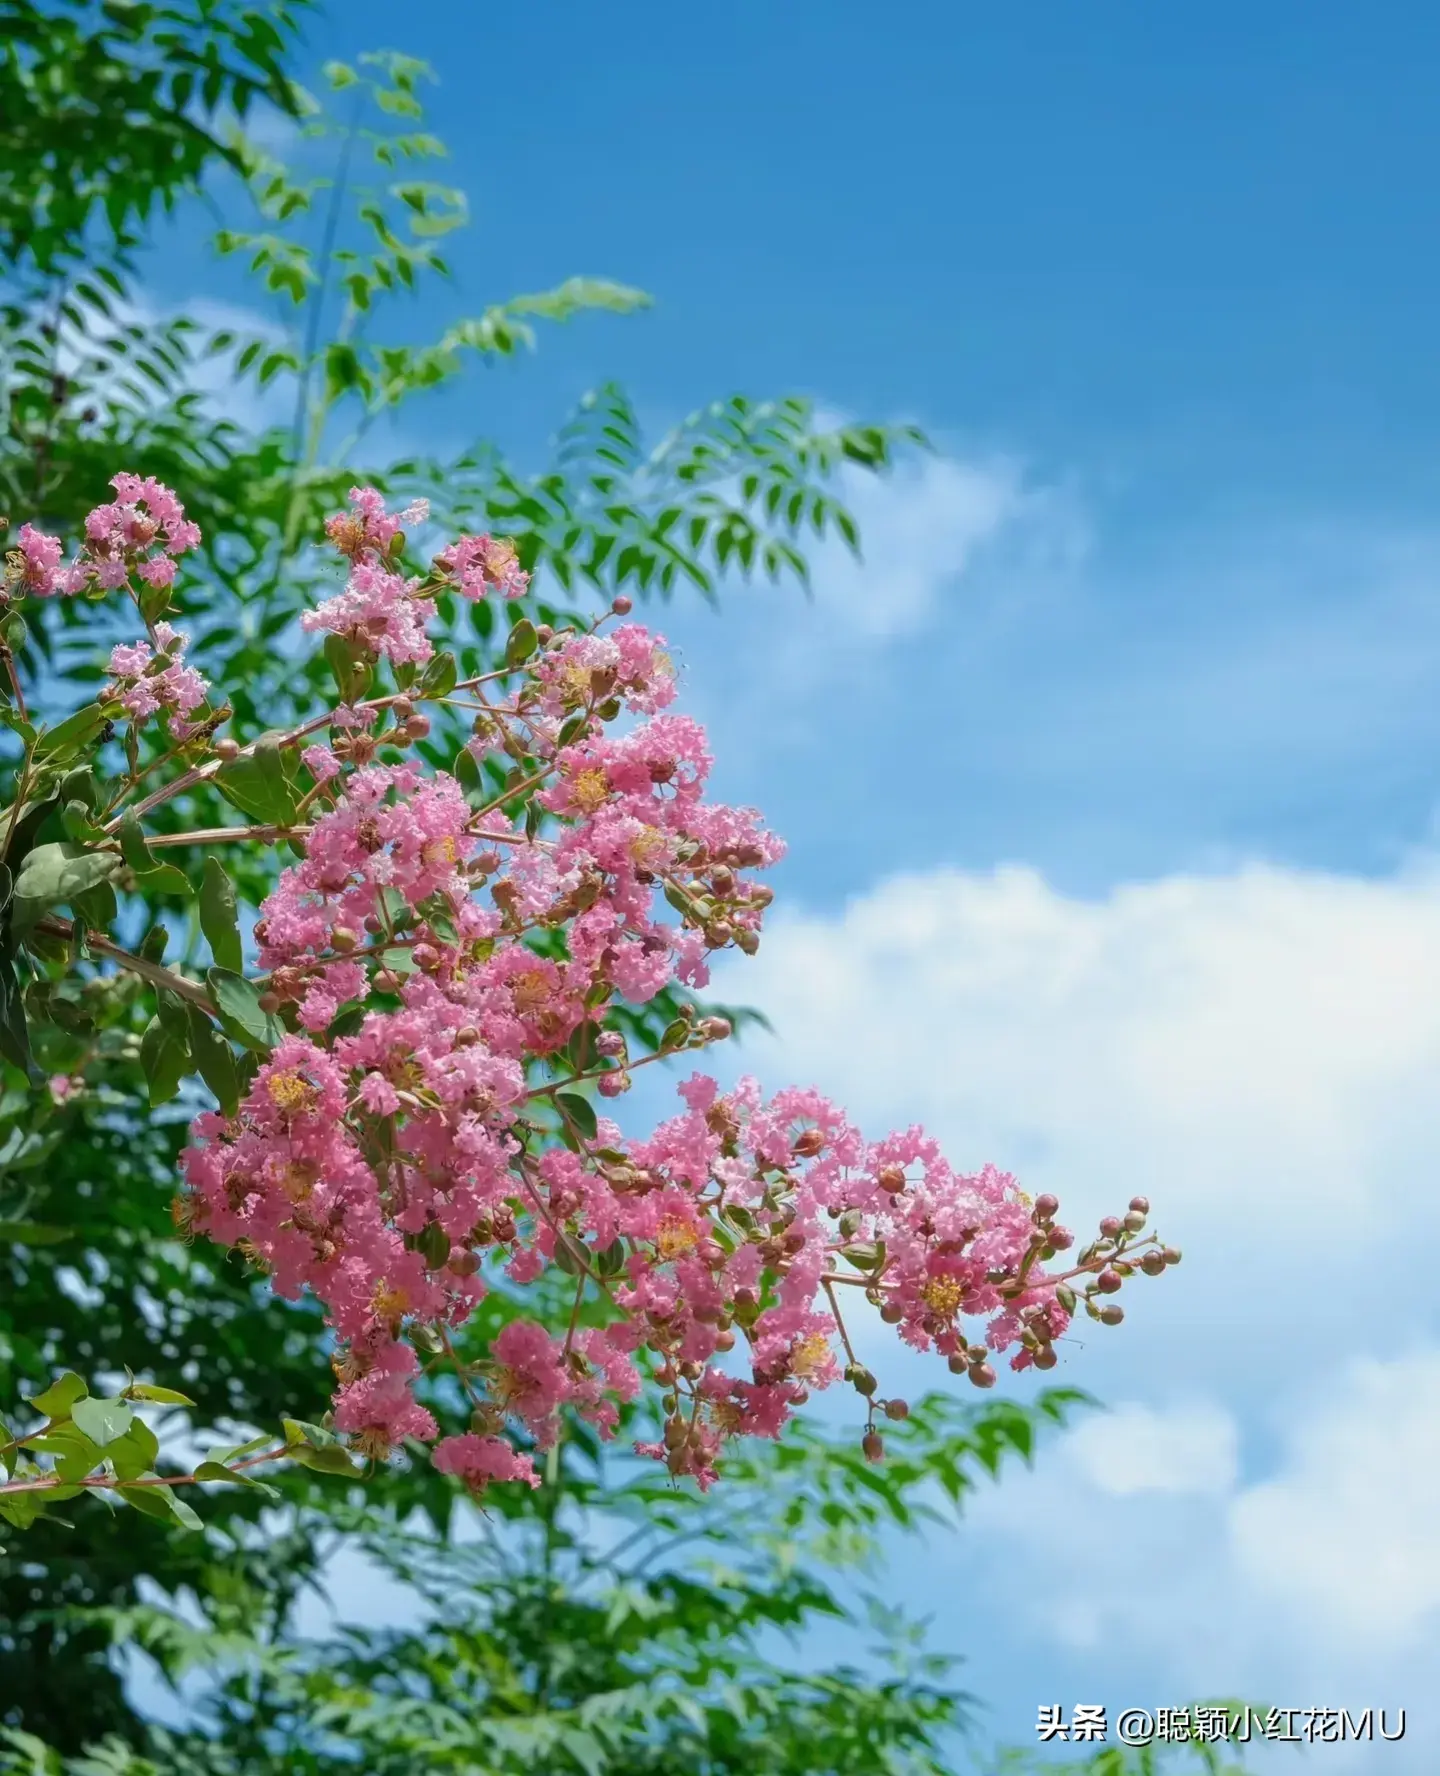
435	1003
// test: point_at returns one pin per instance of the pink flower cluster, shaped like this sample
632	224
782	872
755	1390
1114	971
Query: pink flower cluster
446	968
147	680
141	532
382	611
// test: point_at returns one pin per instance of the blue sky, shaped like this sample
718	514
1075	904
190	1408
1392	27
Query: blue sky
1111	780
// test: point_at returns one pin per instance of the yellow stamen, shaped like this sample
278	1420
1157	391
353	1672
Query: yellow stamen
810	1355
942	1295
290	1091
590	789
676	1238
530	991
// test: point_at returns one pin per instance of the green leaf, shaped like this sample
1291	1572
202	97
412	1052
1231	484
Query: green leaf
441	676
215	1058
151	877
579	1111
237	1003
522	643
220	917
212	1470
135	1452
52	874
14	1032
159	1396
33	1233
60	1396
165	1060
330	1460
160	1502
257	785
102	1420
96	906
67	739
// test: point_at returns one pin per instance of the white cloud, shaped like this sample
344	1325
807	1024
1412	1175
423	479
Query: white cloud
1264	1042
1176	1450
1256	1052
1348	1529
922	527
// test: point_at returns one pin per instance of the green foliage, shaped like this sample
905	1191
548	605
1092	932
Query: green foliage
93	1275
1197	1756
112	109
605	1624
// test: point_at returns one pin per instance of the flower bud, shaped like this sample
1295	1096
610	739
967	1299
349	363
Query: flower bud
724	1341
861	1379
270	1003
898	1410
227	749
613	1085
1172	1256
892	1313
343	939
622	606
1112	1313
609	1044
873	1445
1140	1204
983	1376
958	1363
1134	1221
1046	1207
1109	1281
418	727
402	709
1110	1227
1153	1263
1045	1357
892	1178
1061	1239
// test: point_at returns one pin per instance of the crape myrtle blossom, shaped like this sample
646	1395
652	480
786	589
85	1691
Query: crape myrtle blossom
141	533
146	680
443	963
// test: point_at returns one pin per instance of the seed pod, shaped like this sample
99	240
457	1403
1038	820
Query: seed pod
898	1410
873	1445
